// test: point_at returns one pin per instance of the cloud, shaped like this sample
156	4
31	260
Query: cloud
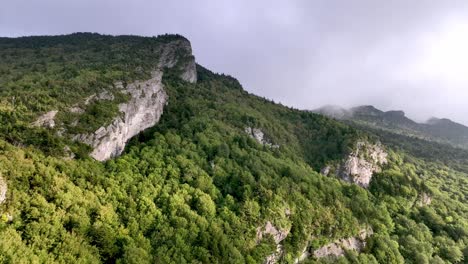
398	54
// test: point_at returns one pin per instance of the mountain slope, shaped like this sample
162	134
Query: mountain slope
223	177
440	130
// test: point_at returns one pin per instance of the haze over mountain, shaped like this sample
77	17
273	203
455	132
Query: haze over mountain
392	54
441	130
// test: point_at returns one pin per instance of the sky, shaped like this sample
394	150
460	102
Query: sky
395	55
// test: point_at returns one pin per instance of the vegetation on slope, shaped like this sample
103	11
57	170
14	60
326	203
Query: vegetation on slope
40	74
195	188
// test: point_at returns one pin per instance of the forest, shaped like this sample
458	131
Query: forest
195	188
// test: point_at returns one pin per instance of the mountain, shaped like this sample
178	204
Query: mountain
455	133
439	130
122	149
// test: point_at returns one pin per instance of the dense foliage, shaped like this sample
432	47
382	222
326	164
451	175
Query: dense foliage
195	188
40	74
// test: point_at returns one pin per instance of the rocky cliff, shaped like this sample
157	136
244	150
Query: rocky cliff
142	111
144	108
146	104
259	136
362	163
178	54
278	236
338	247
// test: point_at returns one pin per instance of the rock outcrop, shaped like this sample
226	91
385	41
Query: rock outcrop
3	190
362	163
278	236
424	199
338	247
178	54
189	72
256	134
259	136
142	111
145	107
47	119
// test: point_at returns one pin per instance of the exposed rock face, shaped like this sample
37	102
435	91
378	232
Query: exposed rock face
189	73
269	229
3	190
142	111
256	134
170	57
46	120
338	247
76	109
278	236
145	107
362	163
259	136
424	199
325	170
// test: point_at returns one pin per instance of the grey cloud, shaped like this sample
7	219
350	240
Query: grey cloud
302	53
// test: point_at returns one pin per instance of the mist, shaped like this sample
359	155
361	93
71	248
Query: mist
399	55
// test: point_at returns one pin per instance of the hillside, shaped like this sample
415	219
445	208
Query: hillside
435	129
210	174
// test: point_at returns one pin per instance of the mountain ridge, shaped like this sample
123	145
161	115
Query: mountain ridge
441	130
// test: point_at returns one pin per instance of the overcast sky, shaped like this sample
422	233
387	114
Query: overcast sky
399	54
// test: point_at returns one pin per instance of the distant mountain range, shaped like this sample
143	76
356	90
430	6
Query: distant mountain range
435	129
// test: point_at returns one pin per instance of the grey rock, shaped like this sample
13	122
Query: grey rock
105	95
146	105
325	170
142	111
76	110
46	120
337	248
362	163
259	136
189	73
256	134
278	236
171	57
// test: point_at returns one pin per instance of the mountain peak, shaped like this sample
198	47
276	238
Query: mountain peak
436	129
395	113
366	110
439	121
